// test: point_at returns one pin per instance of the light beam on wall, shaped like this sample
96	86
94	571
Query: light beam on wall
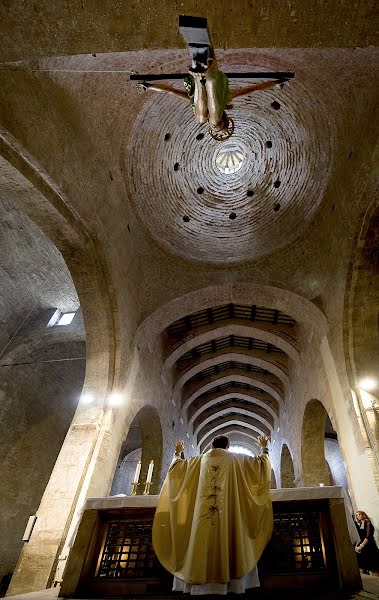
87	398
368	400
116	399
368	384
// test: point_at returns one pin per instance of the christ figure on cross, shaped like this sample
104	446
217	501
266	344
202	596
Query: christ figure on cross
206	86
208	91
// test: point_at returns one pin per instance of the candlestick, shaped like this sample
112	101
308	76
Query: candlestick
146	491
150	472
136	474
134	489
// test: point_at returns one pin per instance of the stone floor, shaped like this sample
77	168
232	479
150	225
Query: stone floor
370	592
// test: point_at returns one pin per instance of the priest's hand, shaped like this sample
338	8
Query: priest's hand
179	447
263	440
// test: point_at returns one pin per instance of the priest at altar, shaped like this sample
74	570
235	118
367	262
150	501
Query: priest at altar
214	518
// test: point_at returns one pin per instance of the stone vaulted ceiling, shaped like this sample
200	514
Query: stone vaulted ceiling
149	188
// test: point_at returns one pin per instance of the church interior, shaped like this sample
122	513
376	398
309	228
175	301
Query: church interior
158	285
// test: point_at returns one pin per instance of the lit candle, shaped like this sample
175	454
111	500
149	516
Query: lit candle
138	470
150	472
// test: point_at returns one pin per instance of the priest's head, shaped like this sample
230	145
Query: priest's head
221	441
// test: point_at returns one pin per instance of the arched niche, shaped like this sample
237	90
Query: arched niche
314	466
273	485
143	442
287	473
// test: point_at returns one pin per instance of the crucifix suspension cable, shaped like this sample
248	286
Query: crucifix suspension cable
206	86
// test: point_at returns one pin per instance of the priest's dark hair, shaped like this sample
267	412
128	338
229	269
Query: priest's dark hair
221	441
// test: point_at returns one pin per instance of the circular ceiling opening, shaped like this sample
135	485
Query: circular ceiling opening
230	157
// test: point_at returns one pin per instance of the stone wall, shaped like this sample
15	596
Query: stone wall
37	404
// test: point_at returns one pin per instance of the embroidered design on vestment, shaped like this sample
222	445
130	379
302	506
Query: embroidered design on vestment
213	497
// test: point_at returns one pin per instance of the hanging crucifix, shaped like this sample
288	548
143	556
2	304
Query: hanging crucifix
206	86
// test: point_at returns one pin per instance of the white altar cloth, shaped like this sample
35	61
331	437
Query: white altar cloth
280	495
283	494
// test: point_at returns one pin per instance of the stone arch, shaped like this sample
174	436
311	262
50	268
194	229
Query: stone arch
287	472
210	400
191	391
236	436
314	466
207	435
276	372
298	307
221	330
143	442
224	411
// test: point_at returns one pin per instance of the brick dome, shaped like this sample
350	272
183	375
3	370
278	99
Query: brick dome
197	208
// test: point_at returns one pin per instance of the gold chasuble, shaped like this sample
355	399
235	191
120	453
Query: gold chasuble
214	516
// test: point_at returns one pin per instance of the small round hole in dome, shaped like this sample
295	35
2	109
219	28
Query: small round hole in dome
230	158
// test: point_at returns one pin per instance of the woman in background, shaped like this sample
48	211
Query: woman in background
366	549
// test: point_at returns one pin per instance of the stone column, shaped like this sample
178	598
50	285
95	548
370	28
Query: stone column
84	468
37	561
